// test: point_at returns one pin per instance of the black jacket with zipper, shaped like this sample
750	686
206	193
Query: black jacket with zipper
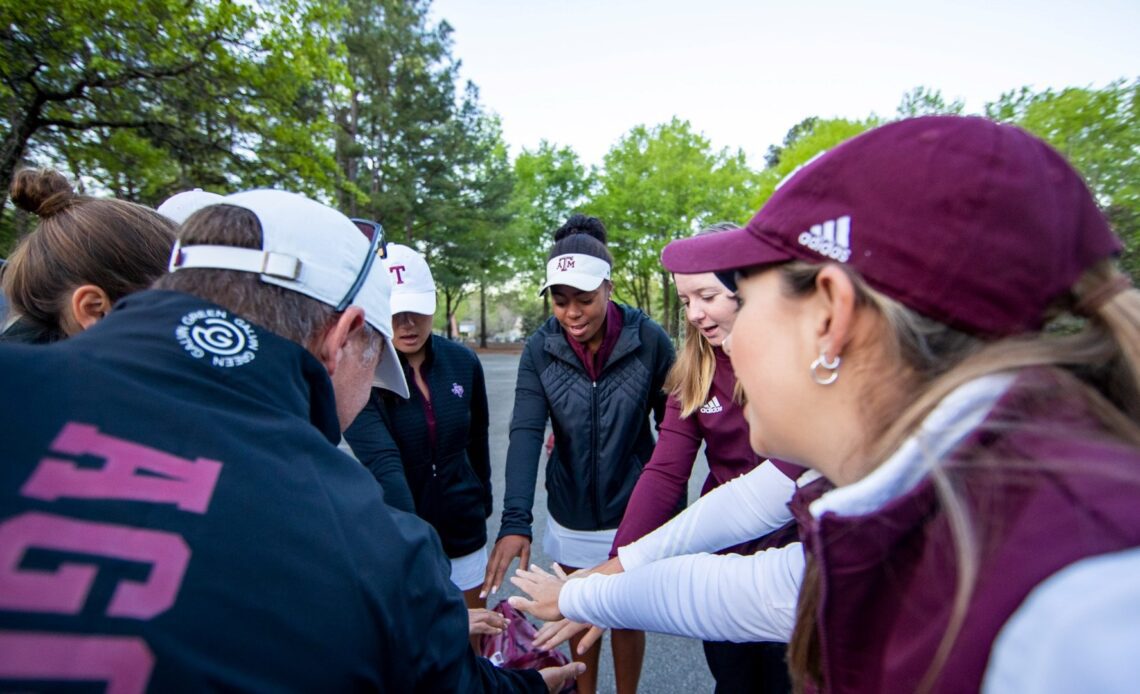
174	505
447	482
602	430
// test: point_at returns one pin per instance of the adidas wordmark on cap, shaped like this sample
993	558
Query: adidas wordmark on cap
978	225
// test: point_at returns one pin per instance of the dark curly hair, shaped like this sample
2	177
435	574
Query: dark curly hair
581	234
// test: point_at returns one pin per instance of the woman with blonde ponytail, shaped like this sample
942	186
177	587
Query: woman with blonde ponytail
704	408
983	531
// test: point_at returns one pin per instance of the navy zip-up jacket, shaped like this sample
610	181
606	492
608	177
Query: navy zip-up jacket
175	516
446	480
602	429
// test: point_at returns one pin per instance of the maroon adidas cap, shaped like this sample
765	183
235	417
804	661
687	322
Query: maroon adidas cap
978	225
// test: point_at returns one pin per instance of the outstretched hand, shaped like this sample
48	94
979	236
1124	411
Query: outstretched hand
506	549
557	677
554	634
551	635
543	589
484	621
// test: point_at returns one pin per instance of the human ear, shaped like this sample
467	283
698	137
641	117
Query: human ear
835	294
331	346
88	304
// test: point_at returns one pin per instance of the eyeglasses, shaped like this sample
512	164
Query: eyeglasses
378	248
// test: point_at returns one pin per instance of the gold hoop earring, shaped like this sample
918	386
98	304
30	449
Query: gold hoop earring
822	362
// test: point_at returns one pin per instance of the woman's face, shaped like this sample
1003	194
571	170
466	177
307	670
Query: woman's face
580	313
709	306
770	353
410	331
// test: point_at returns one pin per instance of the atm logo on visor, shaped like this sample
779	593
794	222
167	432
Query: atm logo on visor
565	264
831	238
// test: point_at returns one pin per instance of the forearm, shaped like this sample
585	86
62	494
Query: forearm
664	481
478	449
520	477
746	508
528	424
711	597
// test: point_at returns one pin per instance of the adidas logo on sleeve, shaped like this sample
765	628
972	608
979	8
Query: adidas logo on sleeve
831	238
711	407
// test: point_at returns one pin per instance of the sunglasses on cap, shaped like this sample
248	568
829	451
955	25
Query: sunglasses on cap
377	248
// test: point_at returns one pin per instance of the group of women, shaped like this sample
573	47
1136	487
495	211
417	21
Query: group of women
915	477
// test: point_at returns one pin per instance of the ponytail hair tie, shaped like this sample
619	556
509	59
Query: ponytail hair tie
1091	303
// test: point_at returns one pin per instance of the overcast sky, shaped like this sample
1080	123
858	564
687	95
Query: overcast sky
583	72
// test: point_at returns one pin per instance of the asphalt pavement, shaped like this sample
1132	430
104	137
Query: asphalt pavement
672	664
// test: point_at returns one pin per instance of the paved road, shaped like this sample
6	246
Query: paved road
672	664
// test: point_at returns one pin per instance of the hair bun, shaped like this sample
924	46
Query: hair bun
43	192
582	224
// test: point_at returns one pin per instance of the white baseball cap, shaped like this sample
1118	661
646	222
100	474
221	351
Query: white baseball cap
413	289
578	270
181	205
314	250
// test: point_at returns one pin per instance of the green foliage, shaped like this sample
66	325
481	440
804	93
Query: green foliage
923	101
427	163
661	184
1098	131
150	97
471	246
397	134
550	183
796	132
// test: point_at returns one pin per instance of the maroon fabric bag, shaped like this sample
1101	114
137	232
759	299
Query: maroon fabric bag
514	648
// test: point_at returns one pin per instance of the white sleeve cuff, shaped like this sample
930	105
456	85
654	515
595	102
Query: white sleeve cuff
710	597
740	510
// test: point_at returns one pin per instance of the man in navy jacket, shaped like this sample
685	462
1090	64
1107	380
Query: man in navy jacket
174	514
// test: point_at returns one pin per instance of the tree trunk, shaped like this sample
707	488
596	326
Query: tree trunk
483	313
447	309
668	312
351	162
12	150
641	292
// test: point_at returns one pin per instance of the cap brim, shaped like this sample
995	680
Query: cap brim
577	280
178	208
722	253
389	374
422	303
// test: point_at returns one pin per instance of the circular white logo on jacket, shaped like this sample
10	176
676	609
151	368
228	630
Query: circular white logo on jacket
212	332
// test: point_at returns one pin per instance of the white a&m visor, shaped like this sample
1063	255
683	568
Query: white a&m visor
577	270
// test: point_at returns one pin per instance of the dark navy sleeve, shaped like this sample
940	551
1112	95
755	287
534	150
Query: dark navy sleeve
664	357
373	445
528	424
423	619
478	447
504	681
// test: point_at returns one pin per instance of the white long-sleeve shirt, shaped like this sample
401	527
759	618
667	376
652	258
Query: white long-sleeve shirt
1052	643
674	561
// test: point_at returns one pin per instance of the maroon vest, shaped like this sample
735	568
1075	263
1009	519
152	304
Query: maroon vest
889	577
